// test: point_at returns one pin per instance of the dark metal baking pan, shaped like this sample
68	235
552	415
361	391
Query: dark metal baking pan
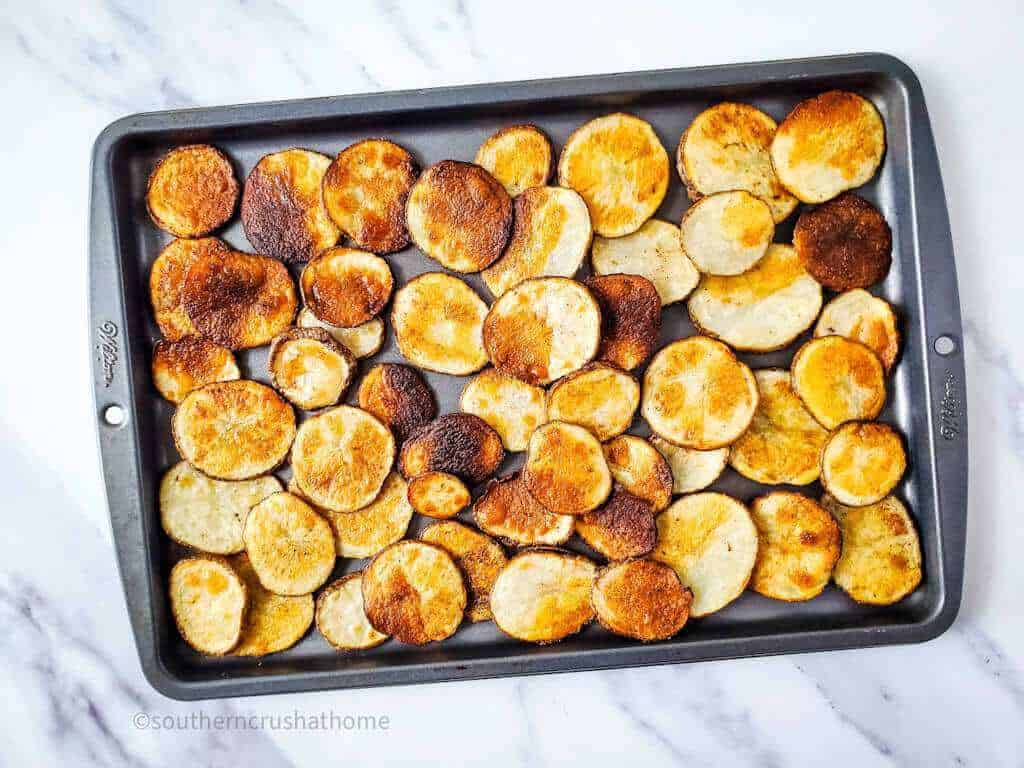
926	402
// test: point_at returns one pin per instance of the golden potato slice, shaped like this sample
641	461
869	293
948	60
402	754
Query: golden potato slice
726	147
565	469
845	243
414	592
457	443
346	287
550	237
697	394
543	329
655	251
189	363
784	442
881	559
543	595
600	397
623	527
282	206
438	322
341	458
619	166
859	316
233	430
209	603
630	318
167	282
862	462
828	144
641	599
838	380
508	511
206	514
340	616
310	368
273	622
692	470
459	215
479	556
518	156
711	542
438	494
727	233
637	466
511	407
797	549
365	190
362	340
290	546
192	191
763	309
399	397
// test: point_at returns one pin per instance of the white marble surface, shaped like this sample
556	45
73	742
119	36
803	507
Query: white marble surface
69	680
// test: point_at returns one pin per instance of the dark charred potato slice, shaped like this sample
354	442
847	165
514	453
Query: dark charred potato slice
838	380
310	368
622	528
289	545
638	467
507	510
862	462
186	364
438	494
167	283
209	603
630	318
518	156
565	469
273	622
398	396
460	444
340	616
478	555
346	287
845	243
192	191
641	599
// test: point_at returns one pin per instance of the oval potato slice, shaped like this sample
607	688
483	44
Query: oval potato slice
398	396
630	318
655	251
310	368
340	616
289	545
641	599
189	363
510	406
362	340
600	397
167	282
519	156
478	555
637	466
209	603
692	470
565	469
438	494
192	191
508	511
727	233
862	462
458	443
273	622
838	380
621	528
845	243
346	287
859	316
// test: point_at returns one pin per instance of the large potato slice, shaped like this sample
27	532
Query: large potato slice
458	443
340	616
346	287
623	527
859	316
399	397
838	380
167	282
641	599
273	622
600	397
692	470
655	251
362	340
862	462
508	511
479	556
510	406
630	318
518	156
192	191
638	467
565	469
727	233
438	494
189	363
209	602
310	368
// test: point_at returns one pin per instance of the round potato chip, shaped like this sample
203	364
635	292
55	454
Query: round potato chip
862	462
399	397
623	527
192	191
600	397
641	599
340	616
209	603
479	556
362	341
565	469
189	363
859	316
438	494
310	368
458	443
519	156
273	622
838	380
508	511
638	467
630	318
167	282
692	470
346	287
727	233
290	546
655	251
511	407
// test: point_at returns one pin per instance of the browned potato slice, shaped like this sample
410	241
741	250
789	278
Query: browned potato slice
727	233
655	251
518	156
362	340
365	190
282	206
798	546
619	166
692	470
290	546
457	443
273	622
622	528
637	466
838	380
845	243
209	603
167	282
189	363
600	397
630	318
192	191
862	462
310	368
399	397
233	430
641	599
459	215
859	316
479	556
565	469
346	287
340	616
438	494
507	510
414	592
512	407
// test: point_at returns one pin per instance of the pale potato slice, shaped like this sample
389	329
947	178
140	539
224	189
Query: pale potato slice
692	470
399	397
192	191
519	156
340	616
727	233
438	322
167	282
543	329
600	397
550	237
478	555
838	380
763	309
862	462
798	546
638	467
458	443
290	546
508	511
565	469
543	596
362	340
630	318
189	363
310	368
209	603
619	166
642	599
510	406
623	527
346	287
438	494
859	316
273	622
697	394
881	559
711	542
655	251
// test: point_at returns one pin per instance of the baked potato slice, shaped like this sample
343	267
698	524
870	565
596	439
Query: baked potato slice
167	282
600	397
346	287
655	251
507	511
273	622
838	380
862	462
209	602
510	406
727	233
310	368
692	470
362	341
845	243
189	363
478	555
621	528
639	468
859	316
438	494
398	396
641	599
519	156
340	616
565	469
192	191
630	318
460	444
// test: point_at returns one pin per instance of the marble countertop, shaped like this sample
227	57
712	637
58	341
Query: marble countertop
72	691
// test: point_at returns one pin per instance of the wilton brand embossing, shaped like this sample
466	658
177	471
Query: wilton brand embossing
107	347
950	408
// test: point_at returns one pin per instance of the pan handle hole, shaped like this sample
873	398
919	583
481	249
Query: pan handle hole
114	416
945	345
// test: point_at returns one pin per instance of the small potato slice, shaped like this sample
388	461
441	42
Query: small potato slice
838	380
711	542
508	511
459	215
414	592
622	528
290	546
565	469
399	397
341	458
346	287
881	559
478	555
192	191
457	443
189	363
859	316
630	318
798	546
763	309
362	340
233	430
692	470
828	144
784	442
206	514
619	166
697	394
365	190
310	368
550	237
543	595
543	329
167	282
239	300
511	407
273	622
641	599
438	494
340	616
600	397
862	462
655	251
438	322
209	602
637	466
282	206
726	147
519	156
727	233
